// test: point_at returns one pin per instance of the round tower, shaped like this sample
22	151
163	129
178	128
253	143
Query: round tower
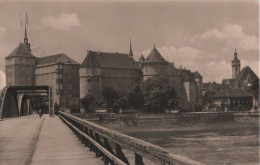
154	65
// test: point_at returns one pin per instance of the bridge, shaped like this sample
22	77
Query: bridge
16	101
66	139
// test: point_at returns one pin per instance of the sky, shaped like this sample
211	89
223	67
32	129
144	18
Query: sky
197	35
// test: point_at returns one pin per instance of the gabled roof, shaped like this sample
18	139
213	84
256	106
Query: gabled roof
21	50
109	60
245	72
196	74
53	59
155	57
187	76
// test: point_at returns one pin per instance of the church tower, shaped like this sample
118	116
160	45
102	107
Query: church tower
19	65
235	66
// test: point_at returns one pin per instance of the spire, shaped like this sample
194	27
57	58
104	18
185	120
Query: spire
154	46
25	35
130	51
235	54
26	43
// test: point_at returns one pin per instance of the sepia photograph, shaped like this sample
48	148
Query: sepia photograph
129	82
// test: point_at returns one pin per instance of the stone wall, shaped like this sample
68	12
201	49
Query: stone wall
169	120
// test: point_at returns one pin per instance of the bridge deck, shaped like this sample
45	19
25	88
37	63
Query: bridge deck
31	140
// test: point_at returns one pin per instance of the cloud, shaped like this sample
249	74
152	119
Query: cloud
62	22
2	79
229	35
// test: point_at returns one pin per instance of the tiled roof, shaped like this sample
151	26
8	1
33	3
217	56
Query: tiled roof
245	72
232	93
196	74
187	76
216	87
63	58
21	50
109	60
154	57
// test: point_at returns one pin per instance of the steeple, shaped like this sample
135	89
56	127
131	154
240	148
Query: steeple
130	54
25	35
235	54
235	65
26	43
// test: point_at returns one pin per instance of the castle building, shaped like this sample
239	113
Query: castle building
102	69
71	81
154	65
59	71
20	65
120	71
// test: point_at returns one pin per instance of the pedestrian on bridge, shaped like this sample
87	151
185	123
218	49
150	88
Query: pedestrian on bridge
40	113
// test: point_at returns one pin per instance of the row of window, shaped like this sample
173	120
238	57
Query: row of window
241	101
93	80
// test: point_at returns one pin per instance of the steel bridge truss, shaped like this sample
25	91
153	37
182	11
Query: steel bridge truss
17	101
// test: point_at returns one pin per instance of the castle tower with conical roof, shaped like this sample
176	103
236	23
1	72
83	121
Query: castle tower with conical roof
235	66
154	65
20	65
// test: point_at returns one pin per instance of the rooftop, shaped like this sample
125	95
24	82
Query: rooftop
21	50
109	60
52	59
155	57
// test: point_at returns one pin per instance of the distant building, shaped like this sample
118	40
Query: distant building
232	100
234	94
240	79
58	71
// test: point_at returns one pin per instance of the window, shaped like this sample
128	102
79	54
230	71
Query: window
98	80
89	80
89	90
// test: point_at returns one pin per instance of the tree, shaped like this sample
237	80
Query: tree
159	94
110	95
135	97
88	102
121	103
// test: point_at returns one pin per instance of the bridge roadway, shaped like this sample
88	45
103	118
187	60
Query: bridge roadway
31	140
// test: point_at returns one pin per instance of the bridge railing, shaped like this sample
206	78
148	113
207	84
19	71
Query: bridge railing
108	144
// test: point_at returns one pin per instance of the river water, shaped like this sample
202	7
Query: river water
221	143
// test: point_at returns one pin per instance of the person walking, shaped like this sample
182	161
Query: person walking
40	113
